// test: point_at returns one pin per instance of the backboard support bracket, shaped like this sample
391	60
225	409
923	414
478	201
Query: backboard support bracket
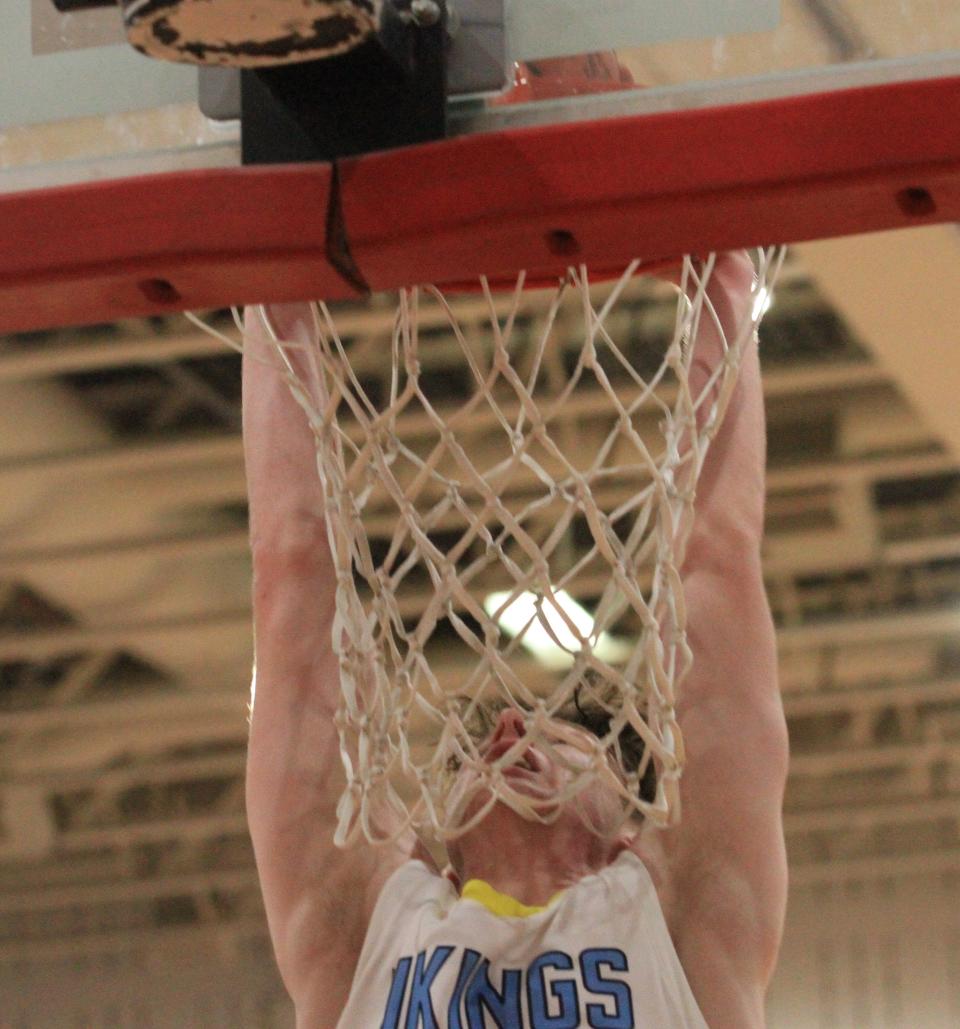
388	92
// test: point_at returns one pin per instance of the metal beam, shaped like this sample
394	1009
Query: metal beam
156	938
900	755
46	644
838	819
867	698
866	869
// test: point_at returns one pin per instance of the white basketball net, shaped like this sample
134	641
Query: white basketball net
445	518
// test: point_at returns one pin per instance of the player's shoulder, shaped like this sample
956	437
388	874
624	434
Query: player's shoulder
326	932
717	930
645	846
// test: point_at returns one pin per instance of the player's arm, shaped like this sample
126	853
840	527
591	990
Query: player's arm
726	861
318	898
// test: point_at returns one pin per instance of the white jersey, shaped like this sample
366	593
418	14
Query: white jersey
598	956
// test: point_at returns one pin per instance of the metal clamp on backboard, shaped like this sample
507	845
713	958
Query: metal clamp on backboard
365	76
388	92
320	79
70	6
475	61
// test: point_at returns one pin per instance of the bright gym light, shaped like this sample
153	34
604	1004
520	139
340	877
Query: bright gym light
762	303
547	636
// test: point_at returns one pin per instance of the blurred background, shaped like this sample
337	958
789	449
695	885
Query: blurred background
128	893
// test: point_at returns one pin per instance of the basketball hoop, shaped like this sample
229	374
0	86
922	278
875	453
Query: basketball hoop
481	495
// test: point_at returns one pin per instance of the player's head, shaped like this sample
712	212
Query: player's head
542	771
590	710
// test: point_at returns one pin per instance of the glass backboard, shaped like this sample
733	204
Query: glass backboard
77	104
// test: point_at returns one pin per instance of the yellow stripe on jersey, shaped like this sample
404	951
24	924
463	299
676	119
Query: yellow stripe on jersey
502	903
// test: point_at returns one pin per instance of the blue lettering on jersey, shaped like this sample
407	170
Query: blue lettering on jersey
598	1016
477	1003
398	987
504	1007
420	1006
467	967
562	990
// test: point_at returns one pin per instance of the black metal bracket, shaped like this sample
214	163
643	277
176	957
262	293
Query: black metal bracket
389	92
67	6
